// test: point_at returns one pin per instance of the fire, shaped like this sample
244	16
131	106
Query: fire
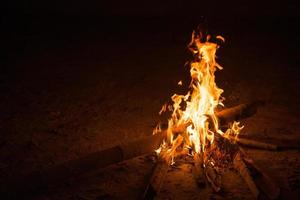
194	114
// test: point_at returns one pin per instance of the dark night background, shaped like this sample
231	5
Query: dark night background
80	76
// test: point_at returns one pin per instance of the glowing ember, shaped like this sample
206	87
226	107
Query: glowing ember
194	114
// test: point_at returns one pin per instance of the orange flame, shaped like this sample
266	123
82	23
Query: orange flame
193	115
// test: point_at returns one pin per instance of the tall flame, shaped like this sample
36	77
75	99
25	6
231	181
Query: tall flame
193	114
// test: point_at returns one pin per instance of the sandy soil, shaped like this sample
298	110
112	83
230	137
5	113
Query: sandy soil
66	94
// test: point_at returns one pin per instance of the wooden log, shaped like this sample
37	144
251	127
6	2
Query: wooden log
239	112
266	185
264	145
231	114
160	170
255	144
157	177
259	183
241	167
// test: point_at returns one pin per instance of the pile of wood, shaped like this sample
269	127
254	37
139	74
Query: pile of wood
205	171
257	180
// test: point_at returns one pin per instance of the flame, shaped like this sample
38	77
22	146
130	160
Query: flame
157	129
193	114
163	109
234	130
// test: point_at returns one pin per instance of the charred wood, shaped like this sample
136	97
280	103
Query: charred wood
238	112
165	160
255	144
241	167
259	183
157	177
264	145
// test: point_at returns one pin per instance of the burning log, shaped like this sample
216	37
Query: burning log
165	159
229	115
256	144
236	113
259	183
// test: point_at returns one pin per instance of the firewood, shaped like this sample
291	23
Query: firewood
255	144
231	114
260	184
258	181
264	145
238	112
165	159
157	177
241	167
261	178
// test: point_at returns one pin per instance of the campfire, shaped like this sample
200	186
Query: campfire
194	127
199	128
